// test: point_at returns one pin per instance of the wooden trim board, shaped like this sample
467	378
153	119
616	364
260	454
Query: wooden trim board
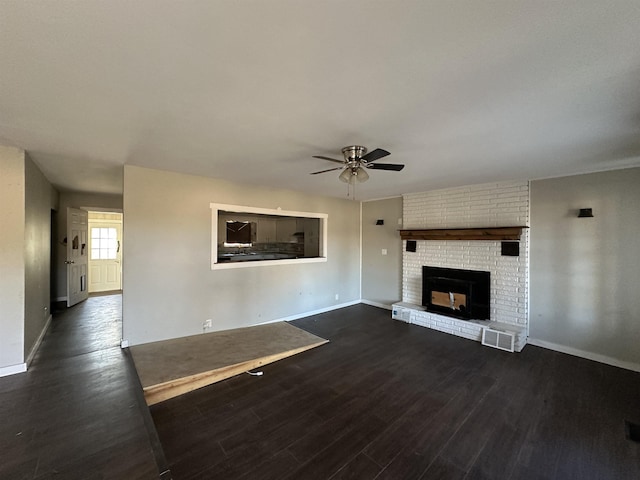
174	367
488	233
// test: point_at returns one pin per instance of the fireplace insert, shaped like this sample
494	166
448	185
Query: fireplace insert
456	293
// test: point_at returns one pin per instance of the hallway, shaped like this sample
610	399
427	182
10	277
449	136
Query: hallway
78	412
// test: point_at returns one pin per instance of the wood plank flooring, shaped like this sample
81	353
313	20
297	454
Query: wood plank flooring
387	400
78	412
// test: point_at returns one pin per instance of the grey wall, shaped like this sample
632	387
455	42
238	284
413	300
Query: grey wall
169	287
12	192
77	200
382	274
585	272
40	198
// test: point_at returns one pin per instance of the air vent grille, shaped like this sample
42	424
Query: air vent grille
403	314
498	339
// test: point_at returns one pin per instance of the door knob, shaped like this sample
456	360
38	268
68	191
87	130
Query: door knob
68	262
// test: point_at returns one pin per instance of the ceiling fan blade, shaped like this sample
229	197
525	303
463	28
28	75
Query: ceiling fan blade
396	167
323	171
327	158
374	155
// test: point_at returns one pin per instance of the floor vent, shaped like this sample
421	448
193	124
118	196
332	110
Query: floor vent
632	431
498	339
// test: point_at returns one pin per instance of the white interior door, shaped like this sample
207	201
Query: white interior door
77	254
105	253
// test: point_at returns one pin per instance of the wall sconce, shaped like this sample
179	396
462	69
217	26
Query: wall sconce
585	213
379	222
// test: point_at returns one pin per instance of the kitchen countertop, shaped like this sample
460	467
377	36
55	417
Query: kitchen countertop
254	256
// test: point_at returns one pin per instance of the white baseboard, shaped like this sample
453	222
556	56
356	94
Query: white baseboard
36	345
313	312
376	304
596	357
13	369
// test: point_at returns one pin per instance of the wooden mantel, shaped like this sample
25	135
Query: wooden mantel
488	233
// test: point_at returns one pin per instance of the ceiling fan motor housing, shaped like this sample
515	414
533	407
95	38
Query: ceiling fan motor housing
353	153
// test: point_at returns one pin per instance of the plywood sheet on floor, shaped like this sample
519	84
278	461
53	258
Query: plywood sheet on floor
173	367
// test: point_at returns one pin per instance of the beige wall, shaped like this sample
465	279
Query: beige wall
25	253
585	272
12	197
169	287
382	274
40	198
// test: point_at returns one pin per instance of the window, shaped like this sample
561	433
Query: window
249	236
104	243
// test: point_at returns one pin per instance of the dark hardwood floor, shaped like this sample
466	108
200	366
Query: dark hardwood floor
76	413
383	400
387	400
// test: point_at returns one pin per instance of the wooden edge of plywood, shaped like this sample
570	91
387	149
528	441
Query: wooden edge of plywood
164	391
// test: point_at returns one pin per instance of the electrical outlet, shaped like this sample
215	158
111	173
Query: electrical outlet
384	251
337	297
207	324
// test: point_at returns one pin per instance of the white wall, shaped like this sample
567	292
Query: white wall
585	272
169	289
76	200
382	274
40	198
12	197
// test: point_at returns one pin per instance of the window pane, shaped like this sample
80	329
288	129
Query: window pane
112	233
111	255
95	232
95	253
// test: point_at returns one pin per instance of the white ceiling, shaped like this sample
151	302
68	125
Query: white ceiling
461	92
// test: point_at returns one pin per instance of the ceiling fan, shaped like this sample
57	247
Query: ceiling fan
356	161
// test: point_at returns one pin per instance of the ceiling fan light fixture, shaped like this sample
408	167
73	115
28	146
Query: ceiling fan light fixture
346	176
352	174
361	175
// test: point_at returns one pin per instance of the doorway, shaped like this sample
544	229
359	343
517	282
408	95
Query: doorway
105	252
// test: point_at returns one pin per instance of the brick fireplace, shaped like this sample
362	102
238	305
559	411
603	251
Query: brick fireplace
477	206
